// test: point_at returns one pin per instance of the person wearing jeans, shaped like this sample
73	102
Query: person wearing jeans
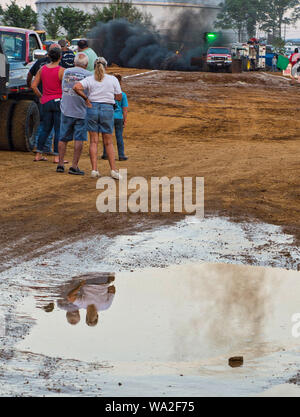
48	145
31	74
120	119
51	77
51	110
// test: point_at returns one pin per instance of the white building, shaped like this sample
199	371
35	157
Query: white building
162	11
21	3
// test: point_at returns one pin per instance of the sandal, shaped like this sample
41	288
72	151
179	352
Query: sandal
40	160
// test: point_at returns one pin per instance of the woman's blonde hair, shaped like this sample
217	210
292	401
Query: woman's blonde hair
100	65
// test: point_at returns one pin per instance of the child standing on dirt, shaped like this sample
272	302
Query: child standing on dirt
120	119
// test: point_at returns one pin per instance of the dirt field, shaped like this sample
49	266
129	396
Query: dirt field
240	132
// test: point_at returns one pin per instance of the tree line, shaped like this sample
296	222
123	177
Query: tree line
243	16
69	20
246	16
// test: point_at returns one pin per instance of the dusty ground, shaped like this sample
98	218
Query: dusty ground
241	132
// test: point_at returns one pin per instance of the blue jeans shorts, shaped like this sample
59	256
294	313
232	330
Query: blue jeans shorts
100	118
73	128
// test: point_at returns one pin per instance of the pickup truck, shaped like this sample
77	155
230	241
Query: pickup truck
216	58
19	111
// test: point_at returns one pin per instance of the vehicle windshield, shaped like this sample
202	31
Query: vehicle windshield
14	45
218	51
74	42
42	36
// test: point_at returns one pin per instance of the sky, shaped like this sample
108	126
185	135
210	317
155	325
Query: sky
293	31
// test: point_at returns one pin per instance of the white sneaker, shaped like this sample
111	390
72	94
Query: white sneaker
115	175
95	174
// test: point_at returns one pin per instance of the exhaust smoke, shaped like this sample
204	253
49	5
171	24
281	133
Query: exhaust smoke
136	46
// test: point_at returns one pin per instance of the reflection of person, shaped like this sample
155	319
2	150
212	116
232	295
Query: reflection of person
95	293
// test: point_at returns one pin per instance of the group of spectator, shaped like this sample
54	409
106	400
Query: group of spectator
76	96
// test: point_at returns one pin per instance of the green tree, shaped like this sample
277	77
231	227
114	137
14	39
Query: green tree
74	21
14	15
120	9
52	23
248	15
278	44
234	15
277	13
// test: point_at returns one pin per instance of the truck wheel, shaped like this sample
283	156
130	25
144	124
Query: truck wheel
25	121
6	112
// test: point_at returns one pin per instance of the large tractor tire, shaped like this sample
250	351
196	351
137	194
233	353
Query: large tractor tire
6	111
25	121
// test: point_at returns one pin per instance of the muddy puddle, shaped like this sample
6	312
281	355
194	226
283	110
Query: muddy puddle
158	332
164	318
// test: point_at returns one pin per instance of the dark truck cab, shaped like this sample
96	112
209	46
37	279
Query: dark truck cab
18	109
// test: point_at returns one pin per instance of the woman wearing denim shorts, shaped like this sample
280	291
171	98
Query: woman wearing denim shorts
103	90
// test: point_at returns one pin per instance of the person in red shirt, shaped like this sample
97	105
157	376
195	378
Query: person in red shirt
51	76
295	57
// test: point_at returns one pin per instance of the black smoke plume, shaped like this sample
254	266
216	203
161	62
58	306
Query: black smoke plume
136	46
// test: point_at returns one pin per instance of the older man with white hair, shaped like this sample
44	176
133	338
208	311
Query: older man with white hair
73	114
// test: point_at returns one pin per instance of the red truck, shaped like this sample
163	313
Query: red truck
19	111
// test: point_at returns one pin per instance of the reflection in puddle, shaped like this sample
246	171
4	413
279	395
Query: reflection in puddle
197	315
92	293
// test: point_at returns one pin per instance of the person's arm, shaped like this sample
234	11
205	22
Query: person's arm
118	97
124	104
61	73
35	84
125	112
32	73
117	89
111	289
71	297
79	89
29	79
